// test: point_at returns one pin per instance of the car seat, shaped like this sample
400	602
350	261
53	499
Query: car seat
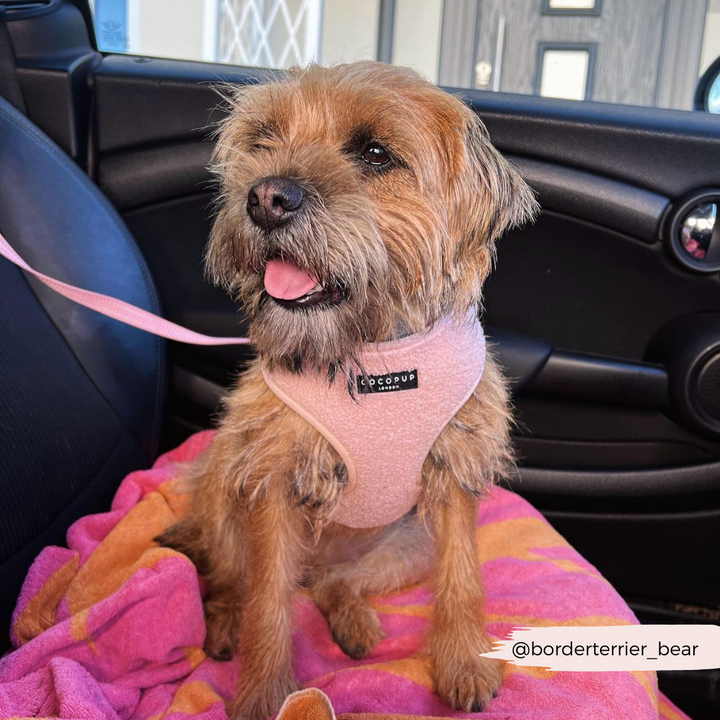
81	395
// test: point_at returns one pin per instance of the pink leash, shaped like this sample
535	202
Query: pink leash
118	309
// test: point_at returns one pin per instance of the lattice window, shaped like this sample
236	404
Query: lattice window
269	33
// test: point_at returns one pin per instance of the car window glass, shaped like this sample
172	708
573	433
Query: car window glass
637	52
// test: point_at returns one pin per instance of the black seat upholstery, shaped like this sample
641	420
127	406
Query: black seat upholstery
81	396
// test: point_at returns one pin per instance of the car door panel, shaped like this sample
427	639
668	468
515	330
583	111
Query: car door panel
614	204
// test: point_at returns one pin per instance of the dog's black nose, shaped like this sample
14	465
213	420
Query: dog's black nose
273	201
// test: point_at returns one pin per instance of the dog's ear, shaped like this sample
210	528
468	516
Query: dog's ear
493	198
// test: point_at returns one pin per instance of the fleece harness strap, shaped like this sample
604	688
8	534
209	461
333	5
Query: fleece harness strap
410	390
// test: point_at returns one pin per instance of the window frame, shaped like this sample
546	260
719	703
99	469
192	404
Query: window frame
595	11
590	48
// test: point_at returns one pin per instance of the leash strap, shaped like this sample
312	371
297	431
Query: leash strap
118	309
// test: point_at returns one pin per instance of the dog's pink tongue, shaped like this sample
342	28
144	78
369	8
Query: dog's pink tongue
286	281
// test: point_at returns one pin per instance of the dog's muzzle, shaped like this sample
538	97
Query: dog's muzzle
272	202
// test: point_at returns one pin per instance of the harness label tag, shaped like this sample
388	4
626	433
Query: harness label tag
391	382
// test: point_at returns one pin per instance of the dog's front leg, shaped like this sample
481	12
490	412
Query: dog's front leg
457	635
274	540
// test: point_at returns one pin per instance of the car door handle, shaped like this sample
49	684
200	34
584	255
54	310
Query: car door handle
534	366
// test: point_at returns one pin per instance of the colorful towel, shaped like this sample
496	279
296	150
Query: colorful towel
113	626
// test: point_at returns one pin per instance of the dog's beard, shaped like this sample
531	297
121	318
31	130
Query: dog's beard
340	246
325	340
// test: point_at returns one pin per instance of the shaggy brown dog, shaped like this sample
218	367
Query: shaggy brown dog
388	191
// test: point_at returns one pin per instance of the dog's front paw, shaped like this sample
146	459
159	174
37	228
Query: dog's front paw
469	685
355	628
259	699
223	625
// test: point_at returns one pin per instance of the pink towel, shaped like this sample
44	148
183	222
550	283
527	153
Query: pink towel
113	626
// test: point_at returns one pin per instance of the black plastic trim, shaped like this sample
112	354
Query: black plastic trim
144	101
667	152
613	204
685	347
196	389
54	62
151	175
604	380
522	357
18	10
603	484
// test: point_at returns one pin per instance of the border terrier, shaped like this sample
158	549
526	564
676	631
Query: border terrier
357	221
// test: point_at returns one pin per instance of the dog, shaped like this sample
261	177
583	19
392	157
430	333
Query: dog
377	197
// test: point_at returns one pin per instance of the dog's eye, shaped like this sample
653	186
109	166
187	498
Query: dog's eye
375	154
261	137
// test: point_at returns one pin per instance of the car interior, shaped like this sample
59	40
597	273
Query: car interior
608	329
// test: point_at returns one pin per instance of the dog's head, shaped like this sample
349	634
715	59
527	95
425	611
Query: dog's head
358	202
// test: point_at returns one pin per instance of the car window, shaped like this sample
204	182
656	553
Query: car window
638	52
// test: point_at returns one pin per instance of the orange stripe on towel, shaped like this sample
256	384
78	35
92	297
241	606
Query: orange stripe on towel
648	681
194	656
416	668
668	712
40	613
128	547
192	698
519	538
178	501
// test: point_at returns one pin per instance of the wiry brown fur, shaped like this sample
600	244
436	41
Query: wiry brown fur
408	245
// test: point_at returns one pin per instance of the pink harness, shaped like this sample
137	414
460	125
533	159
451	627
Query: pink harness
411	389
